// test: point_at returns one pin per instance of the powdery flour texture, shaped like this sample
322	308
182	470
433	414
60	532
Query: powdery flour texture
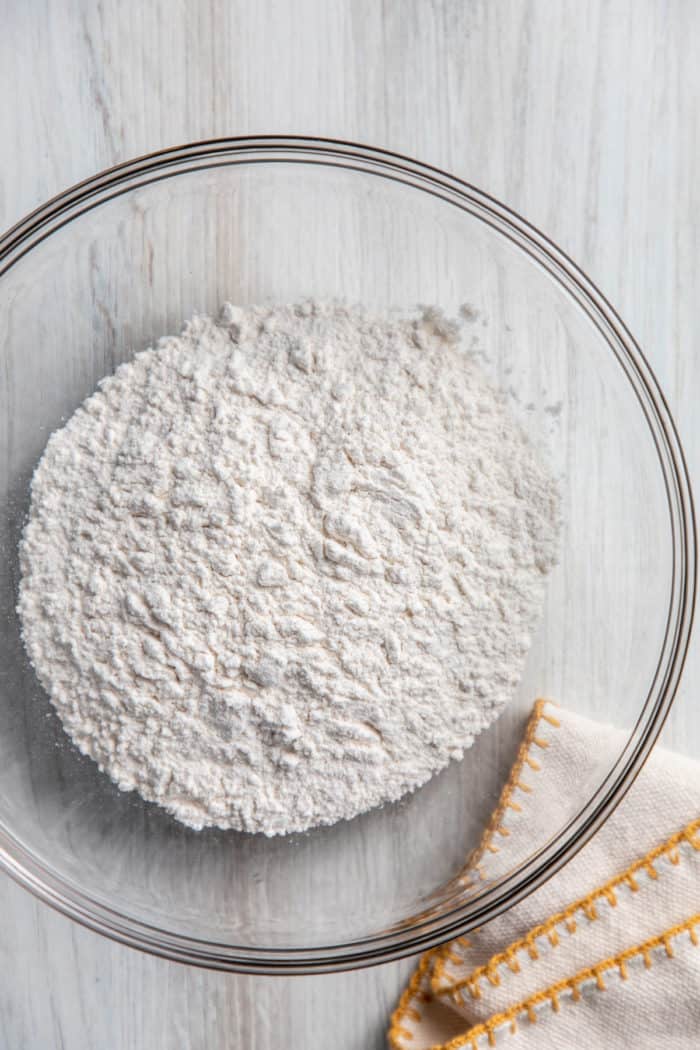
284	567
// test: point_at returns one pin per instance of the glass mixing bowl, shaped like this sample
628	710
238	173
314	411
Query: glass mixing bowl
102	271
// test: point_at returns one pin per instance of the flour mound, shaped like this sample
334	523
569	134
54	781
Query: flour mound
284	567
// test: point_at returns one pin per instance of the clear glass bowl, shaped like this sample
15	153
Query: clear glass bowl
106	268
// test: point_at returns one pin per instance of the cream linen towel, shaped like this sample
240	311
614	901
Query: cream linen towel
606	953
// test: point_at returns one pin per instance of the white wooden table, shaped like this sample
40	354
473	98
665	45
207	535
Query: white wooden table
584	117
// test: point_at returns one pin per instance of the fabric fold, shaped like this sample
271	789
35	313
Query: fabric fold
632	893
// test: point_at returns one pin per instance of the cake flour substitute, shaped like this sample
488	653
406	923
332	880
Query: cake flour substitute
285	566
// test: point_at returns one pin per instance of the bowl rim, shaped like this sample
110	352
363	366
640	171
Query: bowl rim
429	928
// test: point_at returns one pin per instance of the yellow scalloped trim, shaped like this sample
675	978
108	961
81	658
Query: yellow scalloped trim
585	905
570	986
405	1008
523	758
506	801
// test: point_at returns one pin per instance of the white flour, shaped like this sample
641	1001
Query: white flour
284	567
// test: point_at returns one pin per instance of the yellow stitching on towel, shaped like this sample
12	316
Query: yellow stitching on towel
585	905
435	957
570	986
412	992
495	825
589	910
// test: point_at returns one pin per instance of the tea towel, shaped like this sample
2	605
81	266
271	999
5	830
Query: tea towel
605	954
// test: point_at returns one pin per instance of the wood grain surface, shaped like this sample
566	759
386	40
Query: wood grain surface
584	117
